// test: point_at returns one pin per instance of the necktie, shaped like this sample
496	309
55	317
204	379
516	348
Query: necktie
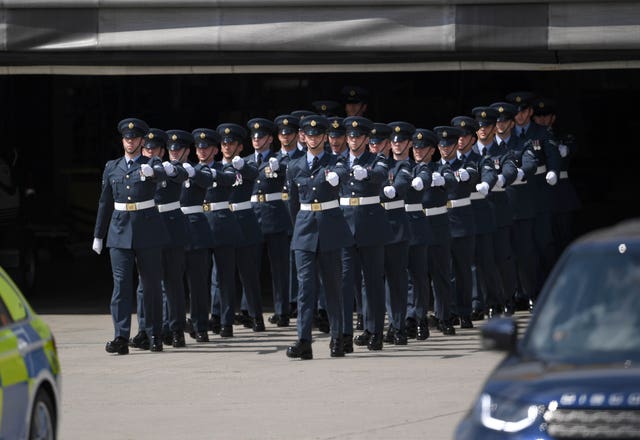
314	163
522	133
129	163
259	159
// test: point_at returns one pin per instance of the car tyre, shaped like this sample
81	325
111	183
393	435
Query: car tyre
43	418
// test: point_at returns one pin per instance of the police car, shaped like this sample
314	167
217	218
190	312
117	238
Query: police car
576	372
29	369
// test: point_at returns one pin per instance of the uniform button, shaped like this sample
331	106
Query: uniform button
353	194
126	177
314	188
258	181
128	197
128	187
315	200
352	183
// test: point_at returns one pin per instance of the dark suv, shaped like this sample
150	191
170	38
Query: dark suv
575	374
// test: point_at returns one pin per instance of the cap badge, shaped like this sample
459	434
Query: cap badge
518	98
419	136
444	134
313	123
150	136
354	124
202	135
131	125
285	122
483	114
397	129
541	105
374	131
174	137
256	125
462	123
227	130
501	109
352	92
323	107
335	124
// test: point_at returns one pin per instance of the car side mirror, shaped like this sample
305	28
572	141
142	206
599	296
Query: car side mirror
500	334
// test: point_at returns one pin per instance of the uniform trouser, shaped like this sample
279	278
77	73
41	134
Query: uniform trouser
490	291
293	276
543	239
462	253
372	263
278	251
197	272
248	263
348	287
149	264
505	261
396	261
439	258
526	258
562	230
312	265
417	268
224	260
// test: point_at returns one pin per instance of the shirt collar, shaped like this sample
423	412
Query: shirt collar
311	156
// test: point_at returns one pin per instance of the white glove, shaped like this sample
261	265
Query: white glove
500	183
237	162
97	245
214	173
332	178
274	164
359	173
417	184
169	168
189	169
389	191
520	175
483	188
552	178
563	149
463	174
437	179
147	170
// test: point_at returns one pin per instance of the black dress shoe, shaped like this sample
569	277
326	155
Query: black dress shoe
273	319
156	343
323	321
258	324
247	321
348	343
188	328
477	315
531	305
411	327
301	349
455	320
336	347
293	306
389	337
465	322
214	324
509	308
362	339
375	343
167	338
178	340
423	330
226	331
494	312
141	340
118	345
283	321
202	337
400	338
359	322
447	328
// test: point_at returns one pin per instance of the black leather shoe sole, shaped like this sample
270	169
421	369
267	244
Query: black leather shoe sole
117	348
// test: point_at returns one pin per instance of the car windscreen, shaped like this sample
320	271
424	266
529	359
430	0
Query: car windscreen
591	310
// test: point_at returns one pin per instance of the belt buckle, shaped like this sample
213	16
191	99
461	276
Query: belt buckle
131	206
206	207
354	201
285	196
449	204
316	207
261	198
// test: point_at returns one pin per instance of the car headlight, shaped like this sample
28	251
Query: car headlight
505	415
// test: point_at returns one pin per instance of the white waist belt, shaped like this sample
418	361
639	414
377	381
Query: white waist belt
169	207
541	169
476	196
458	202
413	207
435	211
496	189
135	206
518	182
192	209
242	206
266	197
357	201
319	206
396	204
564	174
217	206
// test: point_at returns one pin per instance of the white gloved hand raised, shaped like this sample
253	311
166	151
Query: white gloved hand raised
437	179
332	178
237	162
483	188
147	170
500	183
189	169
359	173
552	178
97	245
274	164
169	168
389	191
417	184
564	150
520	175
463	174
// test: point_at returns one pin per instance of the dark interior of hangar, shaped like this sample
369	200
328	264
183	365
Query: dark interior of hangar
60	130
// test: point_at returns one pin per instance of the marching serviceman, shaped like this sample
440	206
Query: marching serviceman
367	219
319	234
135	235
272	213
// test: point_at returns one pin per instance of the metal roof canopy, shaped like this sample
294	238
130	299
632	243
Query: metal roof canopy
119	37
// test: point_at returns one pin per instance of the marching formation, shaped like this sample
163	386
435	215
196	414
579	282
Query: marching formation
359	220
